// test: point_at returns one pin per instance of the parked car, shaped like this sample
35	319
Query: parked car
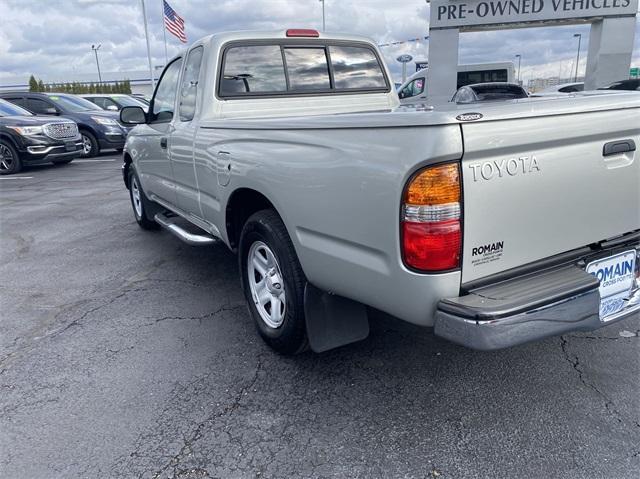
141	97
562	89
114	102
489	92
414	89
631	85
99	129
495	224
26	139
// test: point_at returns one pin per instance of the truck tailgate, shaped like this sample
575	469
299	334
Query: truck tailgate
536	187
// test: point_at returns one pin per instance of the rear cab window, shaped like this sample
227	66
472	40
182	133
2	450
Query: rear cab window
297	68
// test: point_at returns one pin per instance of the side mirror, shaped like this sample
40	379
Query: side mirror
132	115
112	108
50	111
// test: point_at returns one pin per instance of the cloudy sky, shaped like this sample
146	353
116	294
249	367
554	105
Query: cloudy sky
52	38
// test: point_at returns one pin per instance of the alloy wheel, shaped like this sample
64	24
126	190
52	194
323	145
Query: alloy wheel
266	284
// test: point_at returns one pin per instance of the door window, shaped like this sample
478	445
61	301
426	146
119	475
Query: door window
164	99
39	107
189	86
416	87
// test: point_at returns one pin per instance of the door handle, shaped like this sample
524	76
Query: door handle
619	146
163	142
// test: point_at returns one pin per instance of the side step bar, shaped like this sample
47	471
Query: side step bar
184	235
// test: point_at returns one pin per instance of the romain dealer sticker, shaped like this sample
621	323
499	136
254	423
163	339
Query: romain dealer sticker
487	253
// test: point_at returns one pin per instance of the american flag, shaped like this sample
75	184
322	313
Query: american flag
174	22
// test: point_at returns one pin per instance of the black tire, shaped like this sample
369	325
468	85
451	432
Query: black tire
143	208
62	162
265	227
90	146
9	159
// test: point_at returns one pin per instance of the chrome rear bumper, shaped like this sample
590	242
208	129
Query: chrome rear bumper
526	309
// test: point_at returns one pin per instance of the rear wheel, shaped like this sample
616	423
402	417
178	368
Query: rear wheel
142	207
90	146
273	282
9	159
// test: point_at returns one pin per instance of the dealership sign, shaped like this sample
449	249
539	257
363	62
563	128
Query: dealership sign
478	13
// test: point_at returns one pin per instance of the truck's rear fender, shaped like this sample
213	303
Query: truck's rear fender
339	191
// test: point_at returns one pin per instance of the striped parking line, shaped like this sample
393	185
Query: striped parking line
15	177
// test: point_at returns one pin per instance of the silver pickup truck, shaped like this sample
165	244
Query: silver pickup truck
495	224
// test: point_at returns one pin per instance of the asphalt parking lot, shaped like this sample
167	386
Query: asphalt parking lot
125	353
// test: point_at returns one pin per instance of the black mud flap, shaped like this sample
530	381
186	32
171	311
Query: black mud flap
333	321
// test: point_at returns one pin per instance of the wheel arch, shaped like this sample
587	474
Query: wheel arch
242	203
7	137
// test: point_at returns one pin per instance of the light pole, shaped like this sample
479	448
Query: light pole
579	35
323	21
95	50
519	57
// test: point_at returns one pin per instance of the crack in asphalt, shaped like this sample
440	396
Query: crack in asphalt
199	317
30	341
187	447
608	403
635	334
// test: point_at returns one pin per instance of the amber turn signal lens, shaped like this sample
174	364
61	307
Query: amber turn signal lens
435	186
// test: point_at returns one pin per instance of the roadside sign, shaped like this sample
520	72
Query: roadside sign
404	59
634	72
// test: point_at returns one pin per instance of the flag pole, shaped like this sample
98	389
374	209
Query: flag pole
146	36
164	33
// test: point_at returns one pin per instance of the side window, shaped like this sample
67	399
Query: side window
308	69
416	87
39	107
189	87
355	67
165	97
407	91
108	102
253	69
99	100
18	101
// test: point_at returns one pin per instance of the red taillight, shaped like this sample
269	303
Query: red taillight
432	246
302	32
431	229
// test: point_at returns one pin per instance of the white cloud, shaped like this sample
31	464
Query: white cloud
53	38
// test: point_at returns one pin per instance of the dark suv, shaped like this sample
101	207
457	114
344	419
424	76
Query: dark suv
632	84
99	129
28	139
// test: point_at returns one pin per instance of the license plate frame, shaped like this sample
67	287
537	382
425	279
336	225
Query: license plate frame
616	274
70	145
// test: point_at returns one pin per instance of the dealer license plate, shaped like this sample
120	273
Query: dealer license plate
70	145
616	275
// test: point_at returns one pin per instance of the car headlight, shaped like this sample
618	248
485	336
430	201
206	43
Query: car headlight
27	130
105	121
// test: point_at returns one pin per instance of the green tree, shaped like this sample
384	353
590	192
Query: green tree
40	85
127	86
33	83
